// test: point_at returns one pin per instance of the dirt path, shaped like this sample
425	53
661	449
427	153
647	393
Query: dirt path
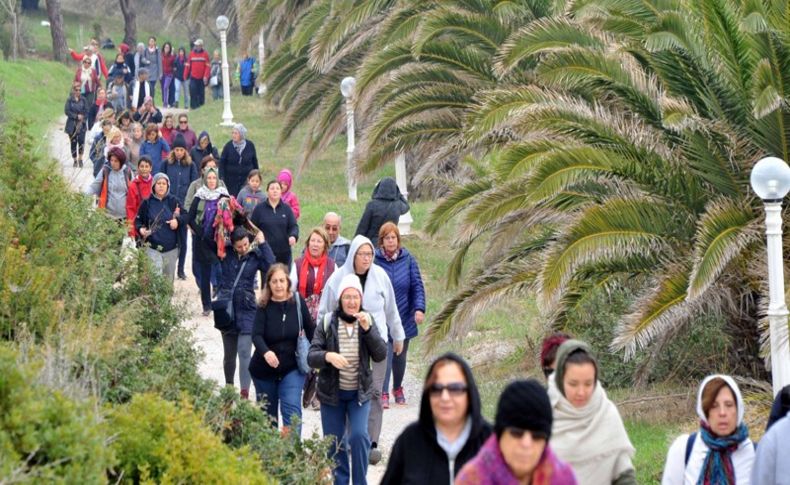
208	339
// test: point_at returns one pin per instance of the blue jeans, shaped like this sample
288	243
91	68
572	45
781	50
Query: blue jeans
285	394
333	422
396	365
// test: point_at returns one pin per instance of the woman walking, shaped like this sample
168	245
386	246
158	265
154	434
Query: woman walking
519	452
111	185
88	80
588	432
342	349
202	212
239	268
139	190
404	274
277	222
181	172
76	110
179	77
720	451
157	222
386	205
281	317
237	159
155	148
167	73
449	432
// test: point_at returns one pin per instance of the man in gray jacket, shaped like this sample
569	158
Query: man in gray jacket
338	245
378	299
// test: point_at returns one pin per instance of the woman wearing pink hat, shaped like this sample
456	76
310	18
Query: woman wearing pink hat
344	343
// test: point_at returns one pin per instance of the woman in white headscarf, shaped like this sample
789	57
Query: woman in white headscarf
237	159
588	432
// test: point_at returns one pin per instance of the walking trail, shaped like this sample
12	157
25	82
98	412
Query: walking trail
208	339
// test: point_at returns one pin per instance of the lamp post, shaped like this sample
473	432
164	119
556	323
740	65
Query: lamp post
404	221
261	59
227	114
347	90
770	180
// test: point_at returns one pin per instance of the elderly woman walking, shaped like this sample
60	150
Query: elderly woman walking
111	185
157	222
238	157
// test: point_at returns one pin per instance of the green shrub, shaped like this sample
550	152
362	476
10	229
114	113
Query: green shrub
46	437
286	459
161	442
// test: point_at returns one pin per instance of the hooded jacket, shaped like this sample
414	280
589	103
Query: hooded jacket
416	456
289	197
404	274
386	205
378	297
154	151
198	155
154	214
678	472
115	188
244	305
139	190
338	251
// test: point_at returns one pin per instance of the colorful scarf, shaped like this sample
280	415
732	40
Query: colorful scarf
717	469
307	263
223	225
489	468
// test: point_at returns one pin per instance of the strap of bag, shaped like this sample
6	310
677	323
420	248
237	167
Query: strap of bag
241	270
690	445
298	311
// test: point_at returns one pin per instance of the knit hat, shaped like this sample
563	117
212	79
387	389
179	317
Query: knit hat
117	153
159	176
525	405
179	142
349	281
124	48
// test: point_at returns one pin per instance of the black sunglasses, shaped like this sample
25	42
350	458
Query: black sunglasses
453	388
519	433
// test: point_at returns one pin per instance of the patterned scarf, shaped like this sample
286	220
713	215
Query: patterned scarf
307	263
717	469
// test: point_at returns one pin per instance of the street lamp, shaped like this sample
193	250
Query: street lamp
227	114
770	180
261	60
404	221
347	90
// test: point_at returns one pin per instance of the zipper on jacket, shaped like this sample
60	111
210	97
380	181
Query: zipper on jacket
452	471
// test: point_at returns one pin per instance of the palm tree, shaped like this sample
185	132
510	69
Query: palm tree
627	163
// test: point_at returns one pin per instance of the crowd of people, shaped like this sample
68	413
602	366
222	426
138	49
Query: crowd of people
331	325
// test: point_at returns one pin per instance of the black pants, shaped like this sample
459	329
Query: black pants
204	282
197	93
77	145
246	90
182	248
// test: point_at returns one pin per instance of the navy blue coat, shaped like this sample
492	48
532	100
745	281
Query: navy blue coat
180	177
404	274
244	305
153	214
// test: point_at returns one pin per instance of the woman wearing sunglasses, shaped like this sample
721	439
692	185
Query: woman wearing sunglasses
519	452
449	432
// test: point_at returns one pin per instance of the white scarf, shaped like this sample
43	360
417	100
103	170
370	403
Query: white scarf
86	78
592	439
206	193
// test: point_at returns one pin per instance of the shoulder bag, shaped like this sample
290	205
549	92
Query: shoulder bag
302	344
224	319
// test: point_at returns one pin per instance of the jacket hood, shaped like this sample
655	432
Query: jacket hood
285	176
156	179
475	408
386	189
356	243
735	390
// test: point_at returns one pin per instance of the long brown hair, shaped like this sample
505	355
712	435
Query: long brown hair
266	294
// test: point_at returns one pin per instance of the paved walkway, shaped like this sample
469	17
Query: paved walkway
208	339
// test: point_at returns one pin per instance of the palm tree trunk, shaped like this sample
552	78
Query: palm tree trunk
59	46
129	22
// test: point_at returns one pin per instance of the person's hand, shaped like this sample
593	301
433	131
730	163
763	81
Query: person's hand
419	317
205	82
364	320
173	223
79	117
145	232
337	360
291	241
397	347
271	359
259	238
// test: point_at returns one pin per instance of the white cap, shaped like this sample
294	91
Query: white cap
349	281
199	42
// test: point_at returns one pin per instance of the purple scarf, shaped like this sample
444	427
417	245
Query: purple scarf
209	213
488	467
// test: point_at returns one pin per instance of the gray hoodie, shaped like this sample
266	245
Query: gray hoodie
378	297
117	188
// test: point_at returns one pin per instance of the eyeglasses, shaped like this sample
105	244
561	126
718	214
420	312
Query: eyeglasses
519	433
182	122
365	254
455	389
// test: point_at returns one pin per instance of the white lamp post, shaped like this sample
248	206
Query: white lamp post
347	90
770	180
404	222
227	114
261	59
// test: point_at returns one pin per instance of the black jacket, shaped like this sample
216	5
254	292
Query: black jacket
153	214
198	155
386	205
371	346
204	247
416	456
73	108
277	224
244	305
276	328
233	168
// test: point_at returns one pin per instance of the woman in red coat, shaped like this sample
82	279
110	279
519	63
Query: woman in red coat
88	80
139	189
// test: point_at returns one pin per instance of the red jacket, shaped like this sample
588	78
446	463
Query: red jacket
102	66
167	64
139	189
198	65
94	80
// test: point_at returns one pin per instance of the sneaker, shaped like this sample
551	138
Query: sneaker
182	275
385	400
80	163
400	399
245	393
206	312
375	456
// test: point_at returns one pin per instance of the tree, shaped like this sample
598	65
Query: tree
59	46
11	7
129	22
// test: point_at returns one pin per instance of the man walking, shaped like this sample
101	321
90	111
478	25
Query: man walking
198	68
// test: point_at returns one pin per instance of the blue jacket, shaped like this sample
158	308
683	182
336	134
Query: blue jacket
180	177
404	274
154	152
244	305
247	71
153	214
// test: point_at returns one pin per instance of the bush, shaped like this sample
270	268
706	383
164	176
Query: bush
161	442
45	437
